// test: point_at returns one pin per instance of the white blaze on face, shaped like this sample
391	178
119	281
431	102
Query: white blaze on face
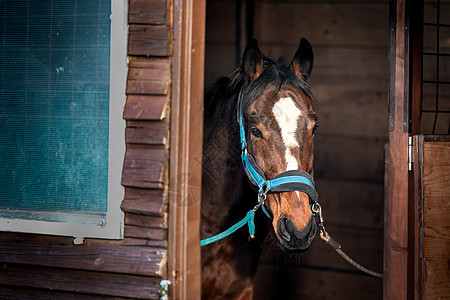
286	113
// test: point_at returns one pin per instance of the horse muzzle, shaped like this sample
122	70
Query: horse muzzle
294	240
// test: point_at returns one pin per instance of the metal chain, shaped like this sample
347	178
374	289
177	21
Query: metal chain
317	210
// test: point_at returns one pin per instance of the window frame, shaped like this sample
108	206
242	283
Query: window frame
85	225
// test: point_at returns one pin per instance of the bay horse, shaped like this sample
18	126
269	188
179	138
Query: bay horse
279	121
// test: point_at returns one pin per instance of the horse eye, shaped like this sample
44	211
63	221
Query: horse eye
256	132
314	128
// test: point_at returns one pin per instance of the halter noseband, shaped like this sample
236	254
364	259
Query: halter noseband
289	181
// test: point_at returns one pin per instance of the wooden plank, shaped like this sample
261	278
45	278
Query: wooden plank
152	12
139	107
287	282
436	181
396	208
363	245
349	158
144	201
145	221
436	278
150	133
20	293
149	69
136	287
149	40
148	76
348	68
351	112
323	23
159	65
436	242
437	211
436	153
352	203
93	255
145	233
144	166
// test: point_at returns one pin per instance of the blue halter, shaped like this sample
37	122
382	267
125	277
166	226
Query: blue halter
289	181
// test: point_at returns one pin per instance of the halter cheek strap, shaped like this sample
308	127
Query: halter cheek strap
289	181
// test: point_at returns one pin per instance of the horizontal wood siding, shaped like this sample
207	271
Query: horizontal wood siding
350	80
50	267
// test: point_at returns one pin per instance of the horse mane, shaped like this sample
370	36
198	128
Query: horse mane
275	73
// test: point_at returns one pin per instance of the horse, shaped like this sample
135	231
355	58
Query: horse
276	104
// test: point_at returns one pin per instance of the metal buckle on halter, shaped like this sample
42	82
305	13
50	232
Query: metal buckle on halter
317	211
262	193
244	151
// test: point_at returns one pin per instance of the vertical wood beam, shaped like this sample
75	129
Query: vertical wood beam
186	149
396	209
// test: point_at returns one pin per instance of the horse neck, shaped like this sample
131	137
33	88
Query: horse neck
223	178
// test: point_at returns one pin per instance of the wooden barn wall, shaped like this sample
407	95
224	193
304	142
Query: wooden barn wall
350	80
50	267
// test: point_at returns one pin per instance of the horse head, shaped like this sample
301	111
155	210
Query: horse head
279	123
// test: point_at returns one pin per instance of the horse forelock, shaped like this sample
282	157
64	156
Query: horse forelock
275	74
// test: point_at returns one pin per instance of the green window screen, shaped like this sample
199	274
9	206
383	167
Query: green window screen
54	105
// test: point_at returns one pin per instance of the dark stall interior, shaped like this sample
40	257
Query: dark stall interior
350	80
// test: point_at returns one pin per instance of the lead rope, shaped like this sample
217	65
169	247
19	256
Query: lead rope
317	210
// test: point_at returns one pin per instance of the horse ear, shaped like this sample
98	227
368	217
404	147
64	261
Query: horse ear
252	62
303	60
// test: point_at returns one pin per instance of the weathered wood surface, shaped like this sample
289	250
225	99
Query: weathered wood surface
96	255
145	233
149	40
94	283
144	201
146	221
144	166
153	12
20	292
148	76
436	220
150	133
139	107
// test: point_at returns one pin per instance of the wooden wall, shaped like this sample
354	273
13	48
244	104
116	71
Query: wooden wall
350	80
436	219
49	267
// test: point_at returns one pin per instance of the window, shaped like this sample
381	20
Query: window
62	90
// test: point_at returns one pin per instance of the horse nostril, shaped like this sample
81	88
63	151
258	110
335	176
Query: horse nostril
282	229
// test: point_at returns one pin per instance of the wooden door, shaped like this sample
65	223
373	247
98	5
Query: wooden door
430	230
417	244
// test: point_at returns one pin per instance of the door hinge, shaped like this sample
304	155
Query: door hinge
410	153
